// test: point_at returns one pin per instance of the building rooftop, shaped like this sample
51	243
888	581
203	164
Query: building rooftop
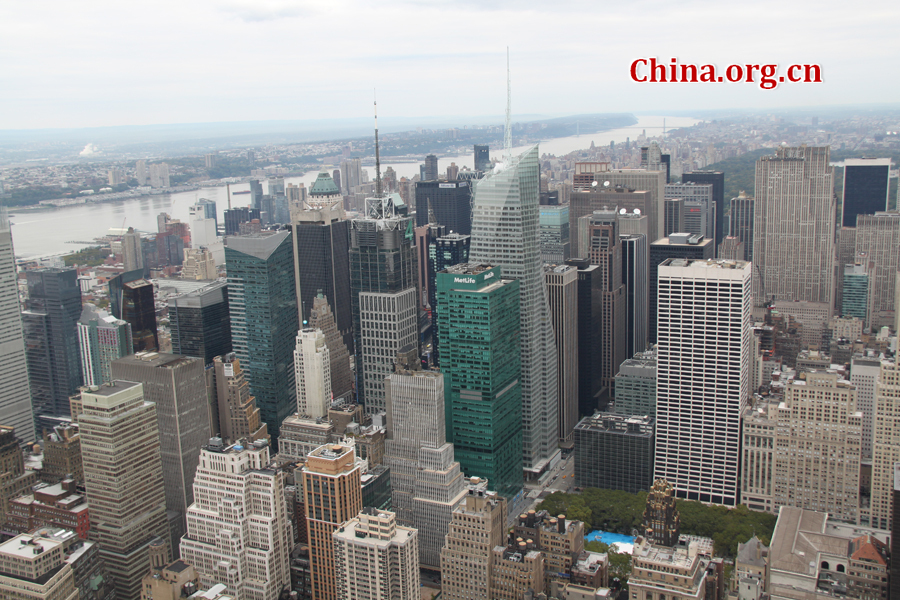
111	389
800	538
710	263
641	425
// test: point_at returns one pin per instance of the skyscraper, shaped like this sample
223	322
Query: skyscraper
199	322
866	185
741	223
635	278
15	394
877	248
606	252
555	235
235	414
238	530
177	385
717	179
628	182
505	227
702	384
262	302
886	452
322	318
54	299
479	323
102	339
376	558
426	481
590	302
855	297
482	158
562	286
320	233
451	203
445	251
680	245
132	254
698	210
119	435
139	310
584	201
794	226
332	490
383	293
235	216
203	223
431	167
312	372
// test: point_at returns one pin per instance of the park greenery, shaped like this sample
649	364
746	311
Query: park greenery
621	512
89	257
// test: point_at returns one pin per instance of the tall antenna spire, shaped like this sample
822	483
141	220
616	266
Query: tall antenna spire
507	140
378	189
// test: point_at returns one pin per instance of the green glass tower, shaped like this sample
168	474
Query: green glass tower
478	321
263	306
856	292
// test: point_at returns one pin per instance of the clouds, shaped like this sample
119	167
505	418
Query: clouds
109	63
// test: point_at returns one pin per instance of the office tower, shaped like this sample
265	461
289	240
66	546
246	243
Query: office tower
620	181
177	385
132	255
681	245
585	201
51	316
102	339
203	223
445	251
886	450
479	321
562	288
321	242
605	251
451	203
234	411
717	179
62	454
383	294
332	490
15	394
322	318
855	300
351	175
636	385
590	302
702	386
262	302
635	278
482	158
431	167
14	479
139	310
505	227
235	216
876	238
864	376
554	234
117	290
119	434
424	236
238	530
159	175
758	456
614	452
312	372
199	322
674	216
865	192
818	437
477	527
376	558
140	172
452	172
731	248
895	540
741	222
793	226
426	482
698	210
198	264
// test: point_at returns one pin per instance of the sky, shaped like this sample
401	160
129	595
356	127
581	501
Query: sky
97	63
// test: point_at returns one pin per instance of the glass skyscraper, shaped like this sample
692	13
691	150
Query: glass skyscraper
505	232
445	251
263	307
478	319
200	323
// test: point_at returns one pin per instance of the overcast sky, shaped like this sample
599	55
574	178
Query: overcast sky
66	63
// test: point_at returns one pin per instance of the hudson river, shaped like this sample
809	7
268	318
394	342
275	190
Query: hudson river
54	231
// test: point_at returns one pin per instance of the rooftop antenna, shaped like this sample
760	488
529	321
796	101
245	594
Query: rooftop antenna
507	141
378	190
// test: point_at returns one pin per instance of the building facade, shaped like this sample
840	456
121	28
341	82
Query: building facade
199	322
562	287
312	372
614	452
102	339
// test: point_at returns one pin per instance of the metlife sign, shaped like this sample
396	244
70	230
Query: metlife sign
467	281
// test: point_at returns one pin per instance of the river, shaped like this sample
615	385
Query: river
55	231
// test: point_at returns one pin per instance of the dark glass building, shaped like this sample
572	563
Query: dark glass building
450	201
51	337
741	223
590	306
615	452
262	304
169	249
139	310
200	323
675	246
235	216
717	179
431	167
637	284
446	251
117	289
479	327
482	158
866	184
